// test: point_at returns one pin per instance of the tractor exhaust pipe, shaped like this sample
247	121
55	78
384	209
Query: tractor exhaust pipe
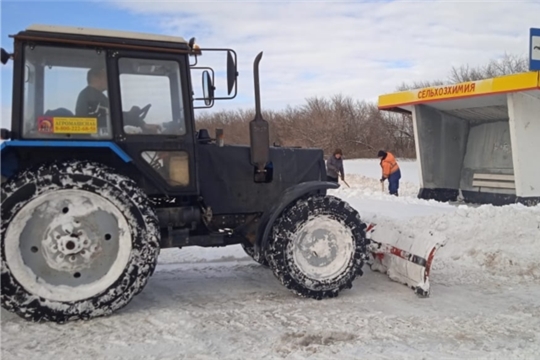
256	83
258	127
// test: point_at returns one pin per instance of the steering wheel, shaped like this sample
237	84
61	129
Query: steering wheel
144	111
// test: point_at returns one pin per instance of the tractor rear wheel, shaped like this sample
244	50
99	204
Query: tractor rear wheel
77	241
317	246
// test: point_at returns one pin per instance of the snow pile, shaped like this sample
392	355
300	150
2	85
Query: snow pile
363	186
501	241
496	241
364	174
371	168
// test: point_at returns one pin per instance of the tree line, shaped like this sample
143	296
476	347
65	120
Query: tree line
355	126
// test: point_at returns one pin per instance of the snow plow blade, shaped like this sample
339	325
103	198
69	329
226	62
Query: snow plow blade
405	258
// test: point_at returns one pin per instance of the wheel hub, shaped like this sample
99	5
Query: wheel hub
319	249
66	240
71	246
322	248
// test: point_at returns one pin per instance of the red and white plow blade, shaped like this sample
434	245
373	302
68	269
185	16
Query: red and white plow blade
405	257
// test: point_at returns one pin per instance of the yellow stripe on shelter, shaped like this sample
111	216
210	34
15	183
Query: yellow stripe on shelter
502	84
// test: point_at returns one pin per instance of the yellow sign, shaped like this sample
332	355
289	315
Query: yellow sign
503	84
446	91
64	125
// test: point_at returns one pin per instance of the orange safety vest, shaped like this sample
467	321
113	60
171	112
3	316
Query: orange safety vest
389	165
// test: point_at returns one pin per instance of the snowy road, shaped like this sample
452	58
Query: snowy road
219	304
237	310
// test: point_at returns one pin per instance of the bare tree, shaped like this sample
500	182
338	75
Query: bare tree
508	64
420	84
356	126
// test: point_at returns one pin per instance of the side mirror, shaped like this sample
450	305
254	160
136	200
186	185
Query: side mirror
232	74
208	88
208	79
5	56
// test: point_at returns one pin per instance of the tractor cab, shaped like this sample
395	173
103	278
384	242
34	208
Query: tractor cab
89	75
106	91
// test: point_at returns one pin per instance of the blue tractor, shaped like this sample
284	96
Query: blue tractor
103	167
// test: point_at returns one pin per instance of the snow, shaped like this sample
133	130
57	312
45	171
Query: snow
219	304
371	169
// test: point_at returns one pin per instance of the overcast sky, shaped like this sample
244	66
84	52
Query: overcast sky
360	49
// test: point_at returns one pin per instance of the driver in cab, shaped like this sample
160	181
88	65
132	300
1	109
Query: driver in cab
92	102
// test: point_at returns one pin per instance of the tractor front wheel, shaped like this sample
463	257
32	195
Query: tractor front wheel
317	246
77	241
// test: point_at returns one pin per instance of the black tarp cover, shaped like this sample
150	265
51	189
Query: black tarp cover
226	176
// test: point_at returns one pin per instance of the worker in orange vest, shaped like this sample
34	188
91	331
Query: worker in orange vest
390	171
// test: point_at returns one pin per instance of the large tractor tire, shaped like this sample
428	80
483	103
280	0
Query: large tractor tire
77	242
317	247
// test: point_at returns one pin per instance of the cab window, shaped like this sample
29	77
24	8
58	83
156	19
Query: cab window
151	97
65	93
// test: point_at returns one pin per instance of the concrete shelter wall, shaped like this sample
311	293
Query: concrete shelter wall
441	144
524	111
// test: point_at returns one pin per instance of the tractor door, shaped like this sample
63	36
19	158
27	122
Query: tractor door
156	119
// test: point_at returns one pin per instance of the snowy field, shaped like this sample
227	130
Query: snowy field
219	304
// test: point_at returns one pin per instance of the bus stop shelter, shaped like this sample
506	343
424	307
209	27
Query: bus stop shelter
476	141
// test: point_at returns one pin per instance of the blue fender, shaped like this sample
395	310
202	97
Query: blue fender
290	195
10	160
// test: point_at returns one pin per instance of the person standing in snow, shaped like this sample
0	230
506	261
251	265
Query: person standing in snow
334	166
390	171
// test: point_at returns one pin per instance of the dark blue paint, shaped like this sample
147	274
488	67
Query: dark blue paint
70	144
10	163
393	182
534	65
